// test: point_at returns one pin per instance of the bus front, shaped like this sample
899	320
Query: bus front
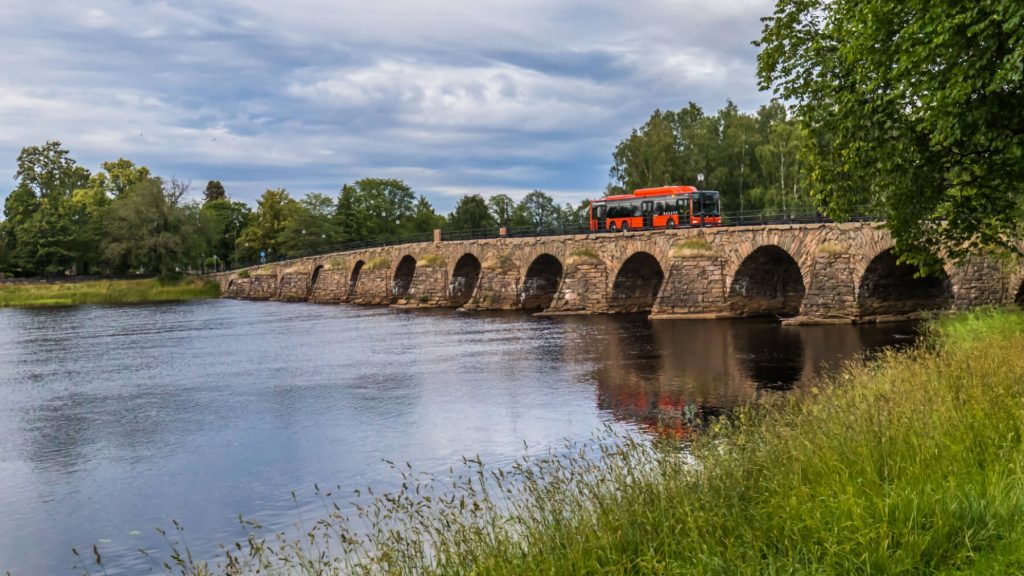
706	208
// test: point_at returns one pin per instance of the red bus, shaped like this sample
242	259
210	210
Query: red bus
664	207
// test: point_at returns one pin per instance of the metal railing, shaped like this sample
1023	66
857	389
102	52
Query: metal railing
728	219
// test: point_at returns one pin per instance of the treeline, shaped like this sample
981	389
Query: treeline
752	159
61	219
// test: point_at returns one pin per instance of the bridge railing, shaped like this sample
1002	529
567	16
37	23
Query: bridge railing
731	219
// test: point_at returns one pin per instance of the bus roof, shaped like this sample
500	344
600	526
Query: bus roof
660	191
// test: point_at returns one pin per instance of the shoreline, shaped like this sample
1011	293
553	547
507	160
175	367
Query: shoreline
44	293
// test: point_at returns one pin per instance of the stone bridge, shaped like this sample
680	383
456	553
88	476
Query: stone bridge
816	272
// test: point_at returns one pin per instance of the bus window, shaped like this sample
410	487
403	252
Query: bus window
709	203
599	212
659	208
683	205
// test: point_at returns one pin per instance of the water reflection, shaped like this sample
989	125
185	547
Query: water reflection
672	376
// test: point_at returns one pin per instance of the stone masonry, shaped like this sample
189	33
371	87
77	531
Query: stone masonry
820	272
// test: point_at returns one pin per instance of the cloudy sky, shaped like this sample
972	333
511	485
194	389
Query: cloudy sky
454	97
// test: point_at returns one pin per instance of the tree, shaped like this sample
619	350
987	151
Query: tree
572	217
4	255
501	207
275	208
351	215
913	107
471	213
424	219
311	228
90	206
148	230
214	191
40	228
115	178
221	222
536	210
387	203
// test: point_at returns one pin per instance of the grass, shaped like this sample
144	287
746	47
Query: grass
105	292
586	254
501	263
431	261
377	263
911	464
692	247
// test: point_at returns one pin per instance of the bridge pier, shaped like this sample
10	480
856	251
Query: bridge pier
428	286
694	286
831	293
498	286
582	289
331	287
980	281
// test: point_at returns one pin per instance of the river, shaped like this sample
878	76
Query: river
116	420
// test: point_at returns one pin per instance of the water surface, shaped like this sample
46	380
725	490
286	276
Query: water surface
114	420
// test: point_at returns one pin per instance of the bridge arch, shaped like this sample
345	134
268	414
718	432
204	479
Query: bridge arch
636	284
464	279
353	277
540	284
313	278
767	282
1019	298
401	281
888	287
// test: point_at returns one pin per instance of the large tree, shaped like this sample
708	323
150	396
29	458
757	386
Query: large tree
91	205
214	191
424	219
537	210
148	230
312	227
914	107
375	208
275	208
471	213
40	229
501	207
221	222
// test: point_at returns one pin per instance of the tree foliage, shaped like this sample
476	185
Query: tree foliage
148	230
214	192
40	233
471	213
915	107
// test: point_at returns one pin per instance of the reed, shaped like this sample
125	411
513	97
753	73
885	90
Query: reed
105	292
909	464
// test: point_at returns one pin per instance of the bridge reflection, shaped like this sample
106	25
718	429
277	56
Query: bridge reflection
673	377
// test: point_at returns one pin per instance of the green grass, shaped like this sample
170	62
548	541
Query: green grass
692	247
105	292
912	464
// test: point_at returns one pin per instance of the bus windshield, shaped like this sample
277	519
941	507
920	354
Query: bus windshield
705	203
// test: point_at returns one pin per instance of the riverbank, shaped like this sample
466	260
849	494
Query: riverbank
912	463
104	292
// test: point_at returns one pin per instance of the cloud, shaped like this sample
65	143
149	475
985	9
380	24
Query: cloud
463	95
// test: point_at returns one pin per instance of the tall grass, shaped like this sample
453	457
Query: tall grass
105	292
911	464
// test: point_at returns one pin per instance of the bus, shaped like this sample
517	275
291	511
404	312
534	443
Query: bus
663	207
